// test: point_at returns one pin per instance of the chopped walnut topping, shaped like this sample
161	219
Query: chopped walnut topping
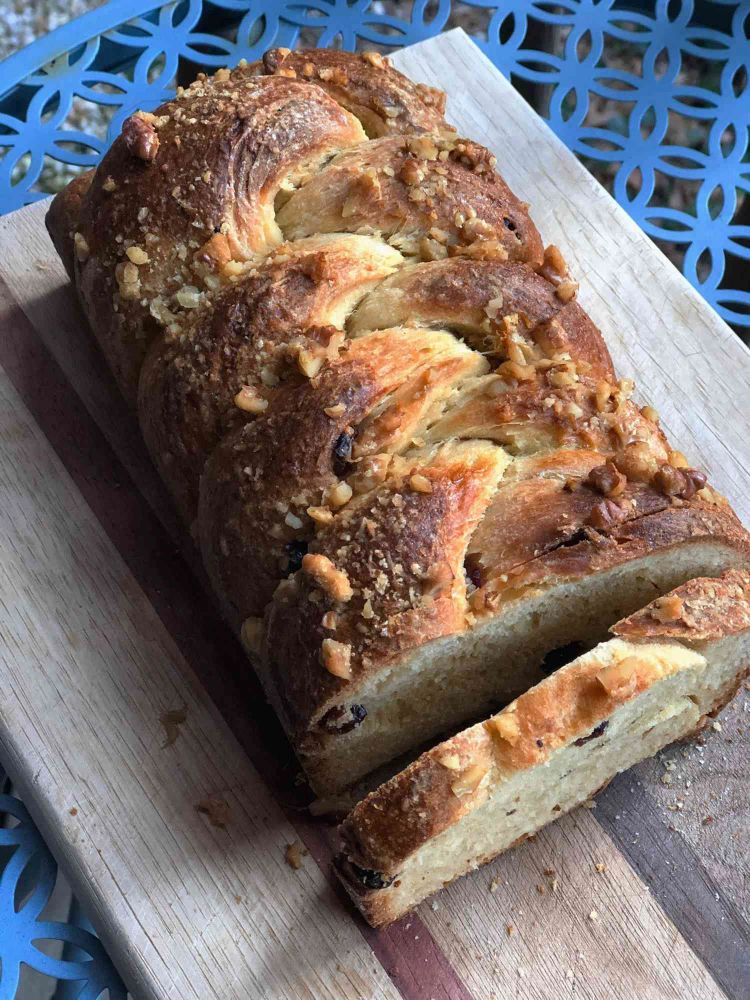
506	726
637	462
678	460
338	495
250	401
607	479
333	581
330	620
566	291
189	297
81	247
410	173
683	483
337	658
309	362
136	255
470	780
140	138
321	515
252	634
553	266
451	761
420	483
128	281
620	679
109	185
668	608
606	514
649	413
375	59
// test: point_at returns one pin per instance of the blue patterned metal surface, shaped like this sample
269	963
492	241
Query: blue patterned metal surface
67	94
65	97
28	875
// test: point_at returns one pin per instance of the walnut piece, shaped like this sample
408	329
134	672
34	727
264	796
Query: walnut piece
619	679
140	138
505	726
668	608
470	780
683	483
333	581
606	514
607	480
337	658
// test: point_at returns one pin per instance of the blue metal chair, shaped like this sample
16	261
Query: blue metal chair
65	97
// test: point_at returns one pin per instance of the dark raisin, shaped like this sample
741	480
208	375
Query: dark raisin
296	551
334	720
557	658
593	734
509	224
540	743
359	714
371	879
473	571
342	453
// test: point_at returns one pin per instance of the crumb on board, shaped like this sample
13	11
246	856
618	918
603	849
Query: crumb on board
294	853
217	810
600	867
172	720
73	811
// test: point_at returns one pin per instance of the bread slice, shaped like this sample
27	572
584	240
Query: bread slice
417	669
672	664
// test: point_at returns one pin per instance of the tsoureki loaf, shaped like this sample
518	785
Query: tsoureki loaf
418	485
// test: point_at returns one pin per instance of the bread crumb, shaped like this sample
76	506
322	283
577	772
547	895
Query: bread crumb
172	720
600	867
217	810
294	854
73	811
593	916
509	928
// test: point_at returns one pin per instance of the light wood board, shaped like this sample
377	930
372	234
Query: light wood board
103	629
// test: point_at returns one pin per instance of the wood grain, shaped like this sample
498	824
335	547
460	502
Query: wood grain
93	587
186	909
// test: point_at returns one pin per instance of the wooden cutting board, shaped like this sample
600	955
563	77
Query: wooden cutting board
104	629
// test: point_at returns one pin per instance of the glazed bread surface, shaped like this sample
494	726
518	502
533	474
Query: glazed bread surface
418	485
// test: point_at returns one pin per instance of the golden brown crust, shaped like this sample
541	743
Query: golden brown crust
428	195
200	194
384	100
258	334
698	611
401	549
63	217
595	550
262	480
494	304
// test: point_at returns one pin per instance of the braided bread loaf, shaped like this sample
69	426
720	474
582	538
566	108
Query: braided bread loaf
417	483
